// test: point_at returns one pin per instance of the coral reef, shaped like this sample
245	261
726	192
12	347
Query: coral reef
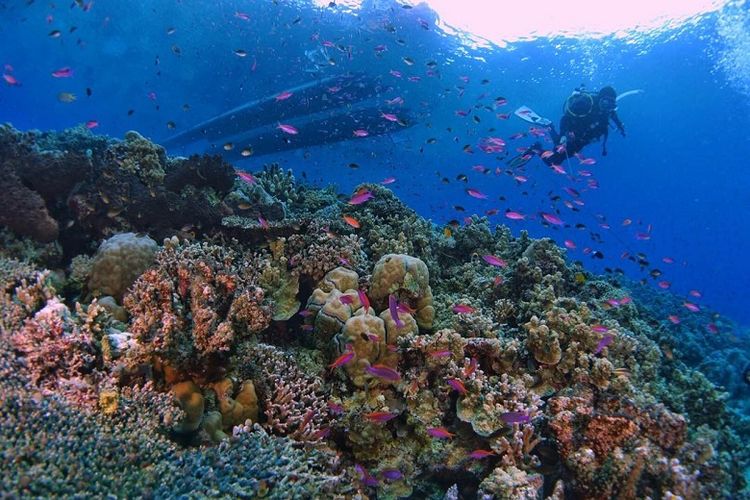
424	360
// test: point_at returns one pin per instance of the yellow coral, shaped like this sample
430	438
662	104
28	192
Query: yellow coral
235	411
409	278
109	401
190	399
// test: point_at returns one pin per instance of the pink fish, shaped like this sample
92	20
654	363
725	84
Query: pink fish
242	16
439	432
691	307
558	169
388	180
360	132
389	116
393	308
667	260
604	342
384	372
476	194
480	454
263	222
344	358
471	368
510	214
395	73
151	95
664	284
569	244
552	219
361	197
288	129
457	385
363	299
674	319
599	328
92	124
463	309
712	328
642	236
443	353
494	261
346	299
284	95
394	101
695	293
521	178
246	176
585	173
515	417
63	72
305	313
546	154
10	80
588	161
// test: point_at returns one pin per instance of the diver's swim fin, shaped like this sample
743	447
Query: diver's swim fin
629	93
520	160
525	113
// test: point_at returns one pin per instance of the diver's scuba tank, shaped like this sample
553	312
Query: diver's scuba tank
580	103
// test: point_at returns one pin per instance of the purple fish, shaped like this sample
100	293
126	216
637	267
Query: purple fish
393	307
494	261
391	474
384	372
604	342
361	197
515	417
287	129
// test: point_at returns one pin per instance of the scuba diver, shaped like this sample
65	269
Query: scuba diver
586	118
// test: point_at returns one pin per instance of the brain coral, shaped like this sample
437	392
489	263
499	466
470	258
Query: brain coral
408	278
118	263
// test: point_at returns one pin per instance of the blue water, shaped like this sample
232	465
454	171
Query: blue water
682	169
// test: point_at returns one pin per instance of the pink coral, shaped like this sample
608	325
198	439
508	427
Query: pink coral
294	403
196	303
59	354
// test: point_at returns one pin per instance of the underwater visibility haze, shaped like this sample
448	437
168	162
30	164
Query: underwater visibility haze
375	249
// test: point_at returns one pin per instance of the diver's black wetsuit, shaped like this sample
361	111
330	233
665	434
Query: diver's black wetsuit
580	131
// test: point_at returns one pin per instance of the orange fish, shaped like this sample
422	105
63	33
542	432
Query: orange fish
344	358
351	221
380	416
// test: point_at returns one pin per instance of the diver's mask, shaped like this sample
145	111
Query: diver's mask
607	104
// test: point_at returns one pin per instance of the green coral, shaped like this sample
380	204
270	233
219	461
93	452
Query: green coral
137	155
282	288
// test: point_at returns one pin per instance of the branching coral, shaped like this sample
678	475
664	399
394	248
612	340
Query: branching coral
293	403
192	308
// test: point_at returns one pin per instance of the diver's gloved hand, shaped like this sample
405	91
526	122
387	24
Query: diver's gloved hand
622	130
